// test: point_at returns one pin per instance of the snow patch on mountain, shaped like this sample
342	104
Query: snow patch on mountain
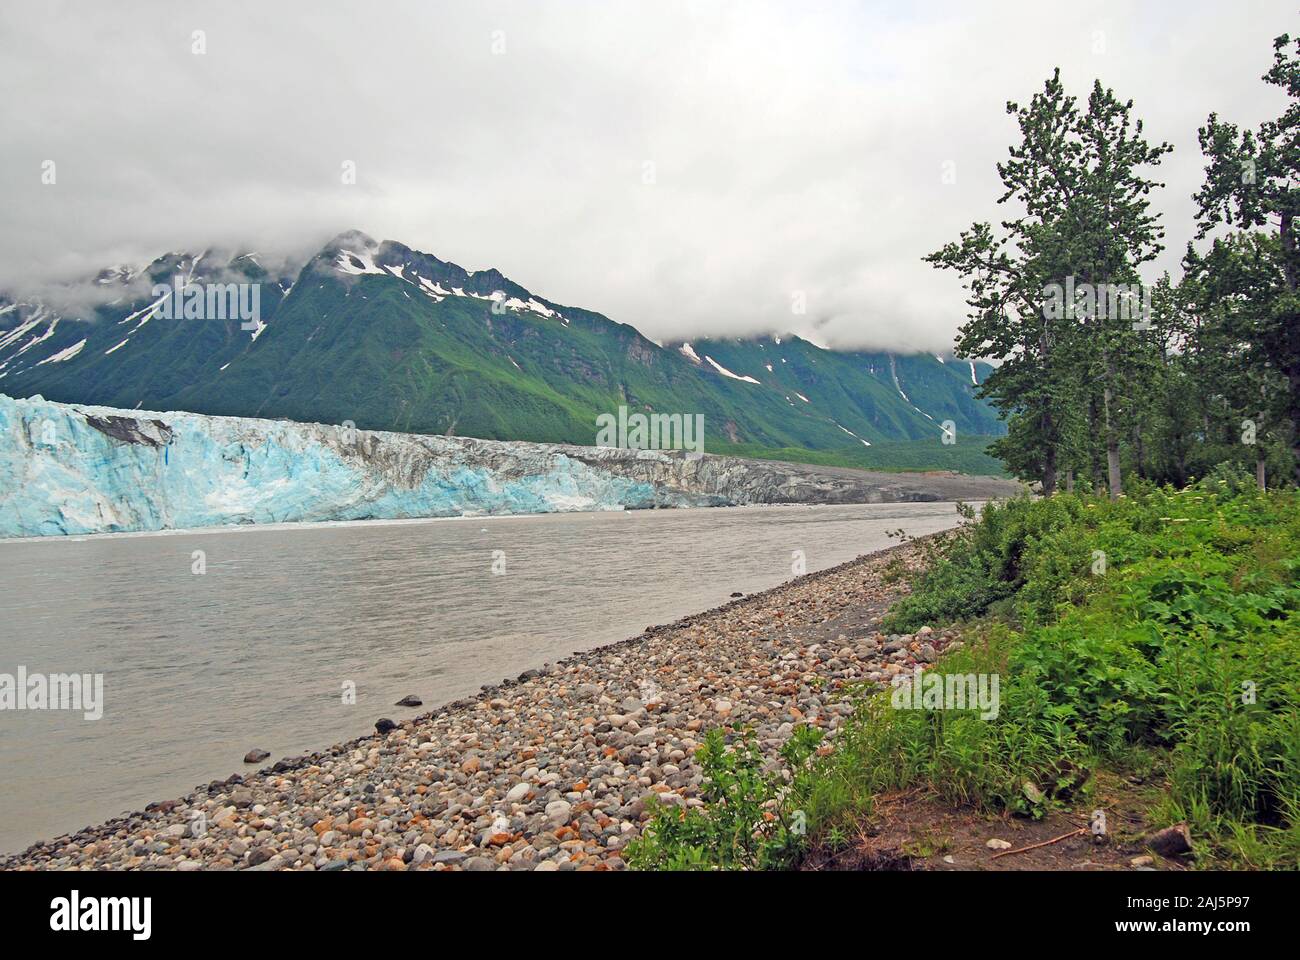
356	263
727	373
66	354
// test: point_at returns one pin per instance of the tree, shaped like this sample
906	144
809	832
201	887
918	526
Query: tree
1252	181
1224	291
1085	226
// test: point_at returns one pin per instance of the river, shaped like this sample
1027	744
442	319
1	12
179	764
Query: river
213	642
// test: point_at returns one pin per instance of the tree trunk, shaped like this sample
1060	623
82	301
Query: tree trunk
1259	452
1112	443
1286	233
1293	378
1095	470
1112	470
1069	481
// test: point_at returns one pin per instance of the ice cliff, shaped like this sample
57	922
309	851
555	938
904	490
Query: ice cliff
73	469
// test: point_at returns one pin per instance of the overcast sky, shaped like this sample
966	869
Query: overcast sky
686	167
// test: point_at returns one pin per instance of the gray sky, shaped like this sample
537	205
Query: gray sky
790	146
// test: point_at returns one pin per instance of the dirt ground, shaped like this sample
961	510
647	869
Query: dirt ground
911	831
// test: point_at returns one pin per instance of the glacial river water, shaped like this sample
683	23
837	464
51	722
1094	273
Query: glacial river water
256	651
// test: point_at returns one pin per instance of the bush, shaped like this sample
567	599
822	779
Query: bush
1187	640
1162	629
744	824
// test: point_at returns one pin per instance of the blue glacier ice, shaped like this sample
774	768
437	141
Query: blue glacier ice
62	474
74	469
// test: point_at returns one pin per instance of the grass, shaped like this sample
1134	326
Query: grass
900	456
1159	635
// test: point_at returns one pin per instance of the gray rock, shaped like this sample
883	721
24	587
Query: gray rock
559	811
260	855
517	792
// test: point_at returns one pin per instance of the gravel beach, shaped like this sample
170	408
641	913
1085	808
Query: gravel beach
547	772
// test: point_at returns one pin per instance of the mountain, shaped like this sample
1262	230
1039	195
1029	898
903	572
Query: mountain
868	395
390	338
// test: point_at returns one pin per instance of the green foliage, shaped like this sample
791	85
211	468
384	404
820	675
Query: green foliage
990	561
1249	282
1188	642
969	455
744	824
1079	179
1159	633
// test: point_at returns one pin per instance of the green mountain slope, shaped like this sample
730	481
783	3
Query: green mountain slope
875	396
391	338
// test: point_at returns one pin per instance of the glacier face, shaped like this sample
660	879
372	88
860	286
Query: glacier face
72	469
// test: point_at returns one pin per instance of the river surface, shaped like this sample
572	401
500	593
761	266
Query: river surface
260	648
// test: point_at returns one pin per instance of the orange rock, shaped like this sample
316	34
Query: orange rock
580	786
499	839
470	766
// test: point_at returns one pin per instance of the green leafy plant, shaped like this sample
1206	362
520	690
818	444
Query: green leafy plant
744	824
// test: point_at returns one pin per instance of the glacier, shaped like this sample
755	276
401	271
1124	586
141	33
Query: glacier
71	469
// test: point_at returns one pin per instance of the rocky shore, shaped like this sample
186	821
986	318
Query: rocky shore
551	771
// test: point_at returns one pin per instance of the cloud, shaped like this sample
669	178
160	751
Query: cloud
690	168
